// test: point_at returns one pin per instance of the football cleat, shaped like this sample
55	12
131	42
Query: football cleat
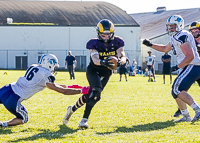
184	119
68	115
196	117
83	123
177	113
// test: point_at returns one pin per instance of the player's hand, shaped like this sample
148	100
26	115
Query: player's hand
85	90
174	68
147	43
121	61
106	62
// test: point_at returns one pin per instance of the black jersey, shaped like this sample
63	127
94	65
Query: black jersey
104	51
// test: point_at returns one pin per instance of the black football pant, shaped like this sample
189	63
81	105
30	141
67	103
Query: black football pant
97	80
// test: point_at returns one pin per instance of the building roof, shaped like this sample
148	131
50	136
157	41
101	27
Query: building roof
153	24
63	13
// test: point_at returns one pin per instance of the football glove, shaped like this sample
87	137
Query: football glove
106	62
147	43
174	68
85	90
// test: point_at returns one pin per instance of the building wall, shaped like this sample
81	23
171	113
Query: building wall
163	39
33	41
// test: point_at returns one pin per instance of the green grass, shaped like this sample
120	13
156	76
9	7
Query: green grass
133	111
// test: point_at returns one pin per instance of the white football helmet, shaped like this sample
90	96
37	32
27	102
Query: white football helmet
175	20
49	61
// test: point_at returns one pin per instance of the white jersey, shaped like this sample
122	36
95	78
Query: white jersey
180	38
150	59
34	81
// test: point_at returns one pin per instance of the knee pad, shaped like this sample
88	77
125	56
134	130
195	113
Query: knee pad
94	97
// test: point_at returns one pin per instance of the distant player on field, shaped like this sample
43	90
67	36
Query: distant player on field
150	61
166	59
183	45
36	78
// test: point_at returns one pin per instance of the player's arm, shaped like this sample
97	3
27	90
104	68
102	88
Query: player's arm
62	89
163	60
75	63
65	63
95	56
158	47
189	54
121	55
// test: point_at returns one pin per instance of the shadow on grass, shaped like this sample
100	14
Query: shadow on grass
48	134
5	131
143	128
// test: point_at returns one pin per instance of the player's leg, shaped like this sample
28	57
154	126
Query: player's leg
120	77
170	78
73	69
184	111
71	109
125	73
149	73
79	103
181	85
70	71
163	78
153	72
12	103
98	85
198	81
120	74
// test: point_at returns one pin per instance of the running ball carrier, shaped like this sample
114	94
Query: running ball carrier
105	50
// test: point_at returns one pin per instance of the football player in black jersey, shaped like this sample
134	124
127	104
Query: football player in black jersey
106	44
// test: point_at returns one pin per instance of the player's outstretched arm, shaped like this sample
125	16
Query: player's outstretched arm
158	47
67	91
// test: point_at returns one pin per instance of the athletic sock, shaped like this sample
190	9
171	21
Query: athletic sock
80	102
195	107
185	113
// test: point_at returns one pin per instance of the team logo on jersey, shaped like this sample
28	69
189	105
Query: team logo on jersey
102	54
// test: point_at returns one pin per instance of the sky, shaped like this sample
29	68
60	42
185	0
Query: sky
141	6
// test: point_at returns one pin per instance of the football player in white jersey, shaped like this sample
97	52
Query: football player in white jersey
194	29
182	44
150	60
36	78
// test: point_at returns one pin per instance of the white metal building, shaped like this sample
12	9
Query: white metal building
56	27
153	27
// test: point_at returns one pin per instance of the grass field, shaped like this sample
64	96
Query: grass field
133	111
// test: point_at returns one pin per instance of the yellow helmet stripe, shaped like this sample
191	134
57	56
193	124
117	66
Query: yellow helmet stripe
198	25
111	28
101	30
